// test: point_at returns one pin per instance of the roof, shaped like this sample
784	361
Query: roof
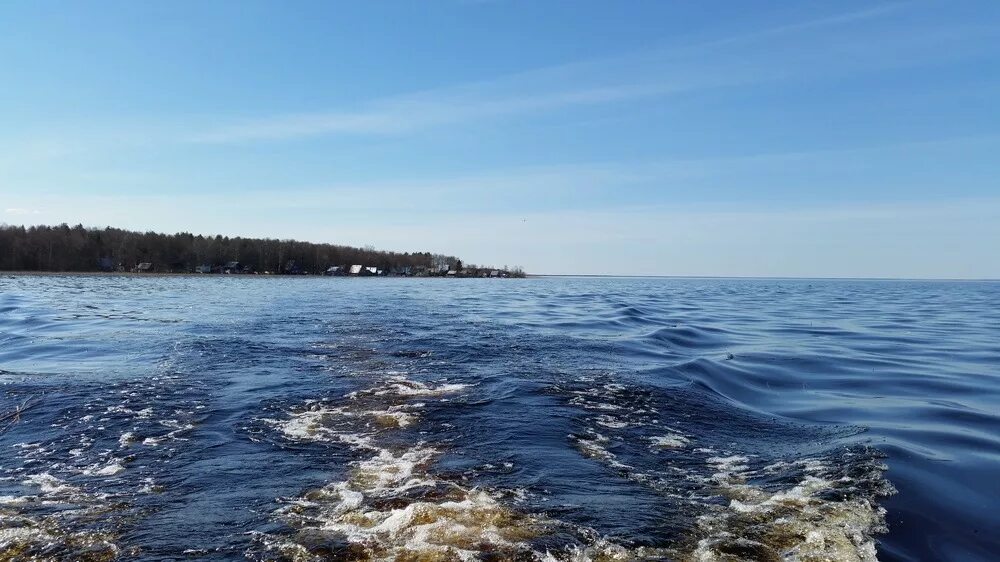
356	269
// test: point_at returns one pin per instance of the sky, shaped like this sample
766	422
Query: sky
715	138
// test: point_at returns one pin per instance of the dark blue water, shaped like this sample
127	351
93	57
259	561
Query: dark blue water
227	418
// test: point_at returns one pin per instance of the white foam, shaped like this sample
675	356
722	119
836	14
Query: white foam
49	484
593	445
30	538
401	386
110	469
585	401
390	503
393	416
669	441
457	526
793	523
611	422
13	535
387	470
149	486
353	424
316	424
728	467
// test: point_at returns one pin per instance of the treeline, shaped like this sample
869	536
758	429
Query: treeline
76	248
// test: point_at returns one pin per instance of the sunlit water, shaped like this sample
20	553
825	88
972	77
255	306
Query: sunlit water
542	419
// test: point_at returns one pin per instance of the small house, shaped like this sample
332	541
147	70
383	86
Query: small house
232	267
144	267
203	269
356	269
334	270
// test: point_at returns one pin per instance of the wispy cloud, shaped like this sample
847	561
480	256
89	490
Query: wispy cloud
413	112
721	180
648	74
730	181
20	211
873	12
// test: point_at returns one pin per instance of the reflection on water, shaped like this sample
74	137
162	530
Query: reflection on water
556	420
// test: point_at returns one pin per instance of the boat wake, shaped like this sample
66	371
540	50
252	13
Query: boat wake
392	504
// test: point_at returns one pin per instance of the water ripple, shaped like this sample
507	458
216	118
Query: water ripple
543	419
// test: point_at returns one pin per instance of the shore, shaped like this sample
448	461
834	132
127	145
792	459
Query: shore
255	275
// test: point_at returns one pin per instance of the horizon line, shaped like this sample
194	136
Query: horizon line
765	277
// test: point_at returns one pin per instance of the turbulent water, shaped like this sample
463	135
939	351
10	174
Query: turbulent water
228	418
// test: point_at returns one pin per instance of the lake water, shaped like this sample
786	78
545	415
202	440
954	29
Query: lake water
228	418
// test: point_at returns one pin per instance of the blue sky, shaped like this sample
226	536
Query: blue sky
673	138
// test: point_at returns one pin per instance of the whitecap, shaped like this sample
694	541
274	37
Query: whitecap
669	441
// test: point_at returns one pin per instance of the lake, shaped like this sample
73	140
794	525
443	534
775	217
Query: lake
267	418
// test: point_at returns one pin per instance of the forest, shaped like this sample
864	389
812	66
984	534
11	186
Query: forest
65	248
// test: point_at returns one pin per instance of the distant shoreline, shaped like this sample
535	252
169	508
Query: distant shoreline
22	273
63	249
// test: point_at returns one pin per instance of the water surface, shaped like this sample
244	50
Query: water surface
227	418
